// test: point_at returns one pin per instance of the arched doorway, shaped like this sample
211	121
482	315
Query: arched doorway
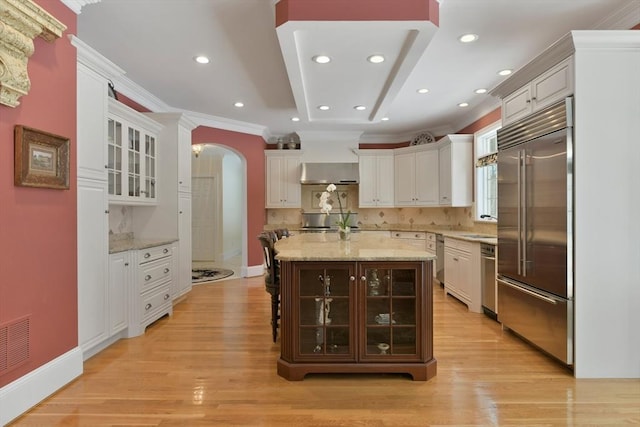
219	209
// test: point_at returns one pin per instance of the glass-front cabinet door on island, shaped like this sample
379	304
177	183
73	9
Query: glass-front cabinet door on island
325	311
390	314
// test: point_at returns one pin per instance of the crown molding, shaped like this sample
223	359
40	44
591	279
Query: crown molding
76	5
227	124
624	18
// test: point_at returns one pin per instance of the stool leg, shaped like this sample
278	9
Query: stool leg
274	315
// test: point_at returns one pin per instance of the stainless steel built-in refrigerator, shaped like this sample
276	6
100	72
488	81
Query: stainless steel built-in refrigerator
535	217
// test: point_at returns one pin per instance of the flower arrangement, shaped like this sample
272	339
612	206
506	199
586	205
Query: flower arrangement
325	207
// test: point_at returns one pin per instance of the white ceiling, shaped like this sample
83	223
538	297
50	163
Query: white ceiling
155	41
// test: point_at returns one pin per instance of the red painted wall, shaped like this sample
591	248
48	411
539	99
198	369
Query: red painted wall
251	147
38	226
483	122
357	10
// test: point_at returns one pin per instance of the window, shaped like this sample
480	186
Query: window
486	144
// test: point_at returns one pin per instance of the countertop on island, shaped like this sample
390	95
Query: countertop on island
361	247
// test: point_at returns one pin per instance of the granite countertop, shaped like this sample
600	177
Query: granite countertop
467	235
128	242
361	247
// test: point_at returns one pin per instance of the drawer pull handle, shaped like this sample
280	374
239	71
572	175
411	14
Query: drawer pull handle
166	270
455	259
147	277
148	306
165	251
147	255
166	297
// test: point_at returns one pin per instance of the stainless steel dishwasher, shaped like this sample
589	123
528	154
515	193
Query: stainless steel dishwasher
488	265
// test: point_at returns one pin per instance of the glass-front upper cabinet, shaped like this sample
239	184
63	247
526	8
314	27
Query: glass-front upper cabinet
132	160
391	315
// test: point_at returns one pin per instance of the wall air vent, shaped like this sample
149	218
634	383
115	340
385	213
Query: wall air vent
14	344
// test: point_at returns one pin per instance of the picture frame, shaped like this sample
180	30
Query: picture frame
41	159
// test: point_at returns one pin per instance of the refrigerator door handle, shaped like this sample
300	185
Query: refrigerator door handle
525	207
519	233
528	292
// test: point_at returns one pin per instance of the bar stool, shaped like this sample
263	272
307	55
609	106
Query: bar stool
272	276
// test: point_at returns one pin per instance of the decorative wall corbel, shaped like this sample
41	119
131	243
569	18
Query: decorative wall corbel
21	21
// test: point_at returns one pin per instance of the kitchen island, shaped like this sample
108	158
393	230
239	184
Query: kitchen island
358	306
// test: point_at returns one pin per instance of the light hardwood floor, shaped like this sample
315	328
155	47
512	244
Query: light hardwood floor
213	364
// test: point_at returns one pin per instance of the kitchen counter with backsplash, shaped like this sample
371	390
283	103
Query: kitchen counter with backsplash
461	234
125	241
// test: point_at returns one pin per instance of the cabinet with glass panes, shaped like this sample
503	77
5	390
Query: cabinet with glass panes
356	317
131	156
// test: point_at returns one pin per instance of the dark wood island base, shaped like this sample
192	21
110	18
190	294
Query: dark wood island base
364	306
297	371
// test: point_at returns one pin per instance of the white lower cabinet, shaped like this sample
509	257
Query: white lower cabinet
462	272
151	290
119	282
183	254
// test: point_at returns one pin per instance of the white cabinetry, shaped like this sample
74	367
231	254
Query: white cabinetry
150	293
376	178
283	179
462	272
132	155
456	170
119	283
183	272
551	86
91	111
93	249
416	176
172	216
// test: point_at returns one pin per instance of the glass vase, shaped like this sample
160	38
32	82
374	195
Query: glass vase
344	233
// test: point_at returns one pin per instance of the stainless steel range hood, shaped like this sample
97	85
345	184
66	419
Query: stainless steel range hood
330	173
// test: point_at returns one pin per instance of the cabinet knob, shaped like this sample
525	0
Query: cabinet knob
165	251
126	264
179	182
106	211
148	306
180	212
166	270
534	98
147	277
455	259
352	278
106	166
166	296
528	101
363	278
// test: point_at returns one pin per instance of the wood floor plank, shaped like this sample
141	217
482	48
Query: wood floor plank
213	363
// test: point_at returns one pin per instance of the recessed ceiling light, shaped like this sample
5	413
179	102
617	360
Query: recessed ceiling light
238	104
375	59
504	72
463	104
423	90
384	119
321	59
468	38
201	59
323	107
360	107
481	90
295	119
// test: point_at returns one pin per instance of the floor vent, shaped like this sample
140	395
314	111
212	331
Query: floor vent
14	344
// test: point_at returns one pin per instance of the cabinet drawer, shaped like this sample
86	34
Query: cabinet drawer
415	235
155	300
461	245
152	254
153	273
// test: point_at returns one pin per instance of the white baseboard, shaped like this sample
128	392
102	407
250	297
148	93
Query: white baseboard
18	397
251	271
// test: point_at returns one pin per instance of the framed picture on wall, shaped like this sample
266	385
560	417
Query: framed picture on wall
41	159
